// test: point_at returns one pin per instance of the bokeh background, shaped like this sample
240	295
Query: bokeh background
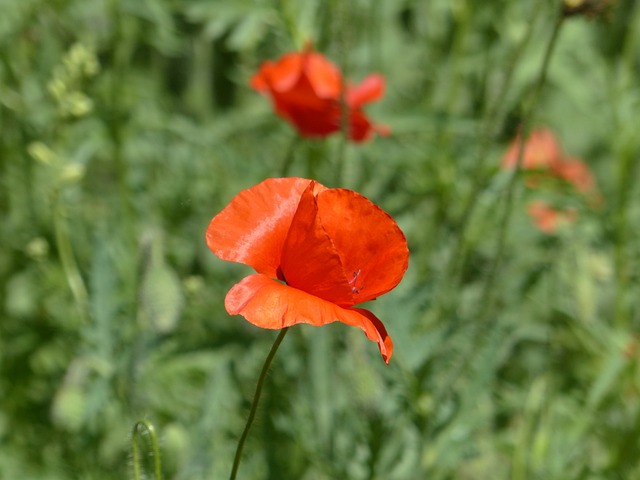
126	125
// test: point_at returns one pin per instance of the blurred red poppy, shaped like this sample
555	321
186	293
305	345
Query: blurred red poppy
541	151
546	165
543	154
306	90
317	252
548	219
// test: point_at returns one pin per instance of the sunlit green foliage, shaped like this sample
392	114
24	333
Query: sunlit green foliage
125	125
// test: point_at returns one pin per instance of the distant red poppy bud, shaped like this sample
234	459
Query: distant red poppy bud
306	88
317	252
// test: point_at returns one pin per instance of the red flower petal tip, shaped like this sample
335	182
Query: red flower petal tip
318	252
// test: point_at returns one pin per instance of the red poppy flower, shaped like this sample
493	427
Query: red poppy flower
541	151
548	219
317	252
306	89
543	155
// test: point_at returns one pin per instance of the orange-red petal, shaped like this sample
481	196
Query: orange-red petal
375	331
253	227
268	303
576	172
372	248
547	218
324	76
369	90
310	261
306	90
279	76
313	117
541	151
361	129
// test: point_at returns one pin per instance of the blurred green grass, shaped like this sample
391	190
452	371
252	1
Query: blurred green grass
126	125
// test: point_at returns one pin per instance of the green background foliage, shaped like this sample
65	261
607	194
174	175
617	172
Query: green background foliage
126	125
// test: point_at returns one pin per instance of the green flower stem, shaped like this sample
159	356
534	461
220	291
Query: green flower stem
627	169
492	117
491	122
340	155
122	46
527	123
489	291
342	34
254	403
289	156
135	438
290	24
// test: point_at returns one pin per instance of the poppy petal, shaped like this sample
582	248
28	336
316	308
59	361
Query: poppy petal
279	76
548	218
372	248
576	172
324	76
316	121
541	151
310	261
369	90
301	100
270	304
360	128
375	331
260	80
253	227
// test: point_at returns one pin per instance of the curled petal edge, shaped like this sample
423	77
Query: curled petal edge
268	303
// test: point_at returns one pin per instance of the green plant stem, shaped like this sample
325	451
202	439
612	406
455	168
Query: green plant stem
627	169
121	53
492	118
342	143
157	461
290	24
289	156
527	123
256	399
489	293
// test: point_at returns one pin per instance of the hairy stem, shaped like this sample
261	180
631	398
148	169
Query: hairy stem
135	449
254	403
